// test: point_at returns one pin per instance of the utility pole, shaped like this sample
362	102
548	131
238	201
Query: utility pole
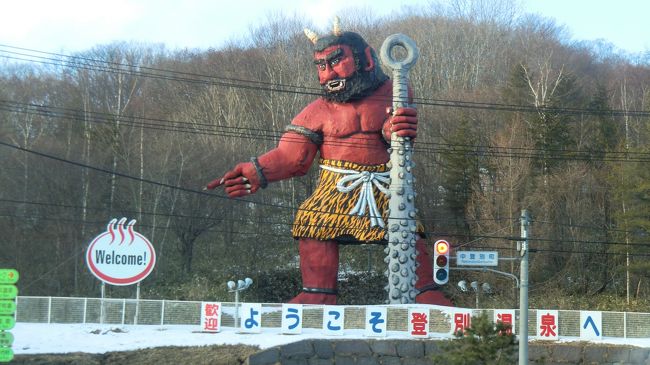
522	247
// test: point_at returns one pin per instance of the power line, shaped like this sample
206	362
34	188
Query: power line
534	250
572	225
582	155
280	206
128	67
282	236
434	220
241	80
269	135
126	176
182	216
170	75
98	223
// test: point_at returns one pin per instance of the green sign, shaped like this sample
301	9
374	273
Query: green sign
8	291
6	354
8	276
7	322
6	339
7	307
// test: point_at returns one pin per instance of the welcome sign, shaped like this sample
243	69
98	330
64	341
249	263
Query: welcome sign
120	256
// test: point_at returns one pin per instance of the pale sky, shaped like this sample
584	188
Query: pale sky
77	25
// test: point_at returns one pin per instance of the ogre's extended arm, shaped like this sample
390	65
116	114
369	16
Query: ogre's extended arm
292	157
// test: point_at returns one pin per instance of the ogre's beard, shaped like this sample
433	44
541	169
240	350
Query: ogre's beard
357	86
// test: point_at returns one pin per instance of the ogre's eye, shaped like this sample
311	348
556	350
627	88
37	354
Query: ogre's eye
335	61
321	66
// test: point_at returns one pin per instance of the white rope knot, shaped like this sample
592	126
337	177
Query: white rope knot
366	199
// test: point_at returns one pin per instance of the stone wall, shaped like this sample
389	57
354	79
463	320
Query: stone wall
420	352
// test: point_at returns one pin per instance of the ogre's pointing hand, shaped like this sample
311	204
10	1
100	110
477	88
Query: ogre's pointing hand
240	181
404	122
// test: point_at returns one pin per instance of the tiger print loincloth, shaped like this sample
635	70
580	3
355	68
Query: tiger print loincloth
325	215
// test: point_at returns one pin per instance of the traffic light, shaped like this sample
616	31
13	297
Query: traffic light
441	262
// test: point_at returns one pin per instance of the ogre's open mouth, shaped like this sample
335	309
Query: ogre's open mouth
335	85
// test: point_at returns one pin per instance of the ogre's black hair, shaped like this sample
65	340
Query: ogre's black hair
354	40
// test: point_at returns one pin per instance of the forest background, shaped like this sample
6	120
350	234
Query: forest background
513	116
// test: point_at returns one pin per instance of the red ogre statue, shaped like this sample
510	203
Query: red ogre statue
349	127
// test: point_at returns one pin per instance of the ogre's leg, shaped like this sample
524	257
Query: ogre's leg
429	293
319	266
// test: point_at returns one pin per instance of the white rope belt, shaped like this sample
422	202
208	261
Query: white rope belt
366	195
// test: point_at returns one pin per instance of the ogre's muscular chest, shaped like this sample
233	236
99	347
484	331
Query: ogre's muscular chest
341	120
353	118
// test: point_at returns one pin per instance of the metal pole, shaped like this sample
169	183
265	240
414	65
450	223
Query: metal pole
162	312
137	304
523	290
85	310
49	310
236	308
401	205
123	310
101	307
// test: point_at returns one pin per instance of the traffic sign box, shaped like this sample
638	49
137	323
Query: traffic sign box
6	339
8	291
6	354
477	258
8	294
7	322
8	276
7	307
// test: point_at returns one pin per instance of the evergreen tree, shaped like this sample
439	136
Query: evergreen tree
632	197
606	136
483	343
550	124
460	170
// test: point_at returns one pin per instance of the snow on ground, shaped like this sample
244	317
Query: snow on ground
34	338
41	338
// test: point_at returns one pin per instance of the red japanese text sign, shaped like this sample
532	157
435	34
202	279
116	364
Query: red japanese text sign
418	322
211	316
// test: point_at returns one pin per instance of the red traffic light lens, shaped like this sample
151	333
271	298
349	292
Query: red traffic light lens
442	247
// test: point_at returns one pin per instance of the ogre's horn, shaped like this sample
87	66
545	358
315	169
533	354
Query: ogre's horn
336	27
313	37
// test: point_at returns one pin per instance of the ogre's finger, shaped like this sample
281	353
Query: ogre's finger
237	191
214	184
239	180
403	119
411	112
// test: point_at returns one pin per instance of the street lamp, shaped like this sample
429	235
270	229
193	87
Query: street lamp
485	287
463	286
236	288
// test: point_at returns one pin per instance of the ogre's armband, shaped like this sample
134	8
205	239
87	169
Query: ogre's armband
260	174
315	137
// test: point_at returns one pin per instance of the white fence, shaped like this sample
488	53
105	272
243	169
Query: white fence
168	312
